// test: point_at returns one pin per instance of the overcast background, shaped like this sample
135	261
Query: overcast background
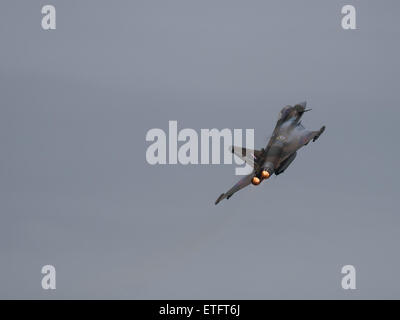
76	190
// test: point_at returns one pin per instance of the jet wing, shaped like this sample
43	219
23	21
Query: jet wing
244	182
312	135
247	155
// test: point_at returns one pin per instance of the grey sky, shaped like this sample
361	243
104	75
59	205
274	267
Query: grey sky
76	191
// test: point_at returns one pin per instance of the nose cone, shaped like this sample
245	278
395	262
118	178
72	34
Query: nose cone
301	107
303	104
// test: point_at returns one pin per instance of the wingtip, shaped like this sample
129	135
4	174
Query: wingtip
220	198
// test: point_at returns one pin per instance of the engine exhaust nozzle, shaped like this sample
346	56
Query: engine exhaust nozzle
256	181
265	174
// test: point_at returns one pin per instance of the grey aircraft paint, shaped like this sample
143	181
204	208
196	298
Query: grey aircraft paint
288	136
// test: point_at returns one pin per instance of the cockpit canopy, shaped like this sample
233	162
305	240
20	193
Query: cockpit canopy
285	112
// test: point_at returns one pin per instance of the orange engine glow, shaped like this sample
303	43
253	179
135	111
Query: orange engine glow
255	181
265	174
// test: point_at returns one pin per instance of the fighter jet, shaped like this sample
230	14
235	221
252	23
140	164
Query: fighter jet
288	136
